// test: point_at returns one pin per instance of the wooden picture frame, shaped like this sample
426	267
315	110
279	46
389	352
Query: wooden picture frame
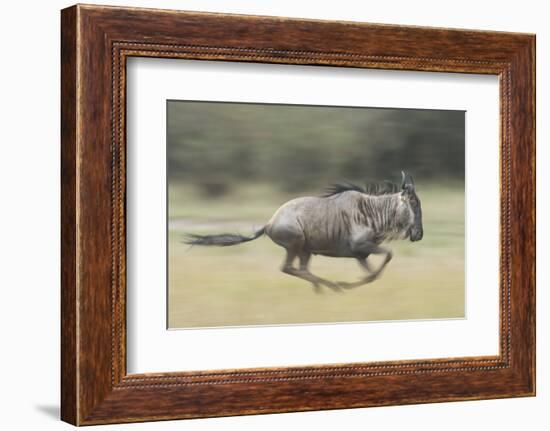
95	43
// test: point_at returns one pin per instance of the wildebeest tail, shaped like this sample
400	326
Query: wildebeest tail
222	239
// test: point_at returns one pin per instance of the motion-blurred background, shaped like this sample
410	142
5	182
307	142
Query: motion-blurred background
232	165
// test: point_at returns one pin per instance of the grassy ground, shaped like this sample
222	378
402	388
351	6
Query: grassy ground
242	285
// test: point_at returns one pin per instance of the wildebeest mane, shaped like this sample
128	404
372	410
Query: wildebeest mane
371	188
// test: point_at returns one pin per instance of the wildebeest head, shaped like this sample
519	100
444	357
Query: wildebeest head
408	193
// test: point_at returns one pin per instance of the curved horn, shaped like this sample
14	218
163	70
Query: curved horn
403	178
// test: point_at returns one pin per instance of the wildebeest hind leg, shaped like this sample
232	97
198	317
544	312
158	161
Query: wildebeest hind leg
304	257
303	271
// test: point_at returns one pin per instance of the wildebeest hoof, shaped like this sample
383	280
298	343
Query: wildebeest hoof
334	286
346	285
371	278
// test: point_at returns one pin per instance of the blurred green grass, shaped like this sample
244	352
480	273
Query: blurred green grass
242	285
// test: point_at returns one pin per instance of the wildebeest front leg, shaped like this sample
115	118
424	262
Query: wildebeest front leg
362	251
303	271
364	263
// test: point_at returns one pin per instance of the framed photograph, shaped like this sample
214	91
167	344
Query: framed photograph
264	214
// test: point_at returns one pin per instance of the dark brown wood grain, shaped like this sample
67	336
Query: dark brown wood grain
96	41
68	217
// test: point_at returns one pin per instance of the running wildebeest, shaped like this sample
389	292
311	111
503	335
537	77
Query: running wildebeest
347	221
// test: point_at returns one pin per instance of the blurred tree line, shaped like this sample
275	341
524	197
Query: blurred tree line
218	145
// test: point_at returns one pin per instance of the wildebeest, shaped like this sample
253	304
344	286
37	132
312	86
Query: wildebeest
347	221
